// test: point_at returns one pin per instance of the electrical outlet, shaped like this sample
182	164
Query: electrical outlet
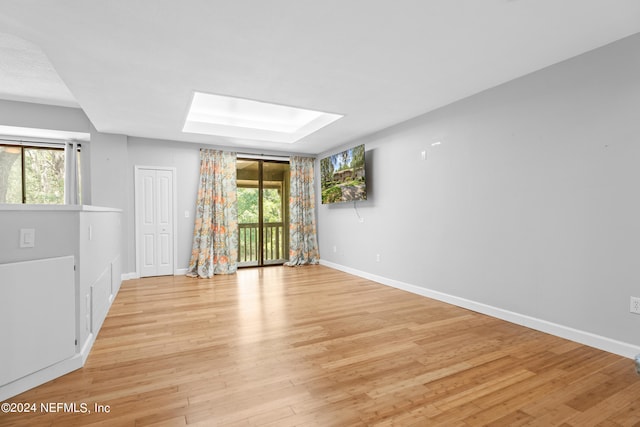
635	305
377	257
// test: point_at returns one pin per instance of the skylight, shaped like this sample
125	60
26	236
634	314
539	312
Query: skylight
247	119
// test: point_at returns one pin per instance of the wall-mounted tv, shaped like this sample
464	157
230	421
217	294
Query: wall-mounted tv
342	176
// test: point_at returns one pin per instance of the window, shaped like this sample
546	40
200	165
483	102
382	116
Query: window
38	174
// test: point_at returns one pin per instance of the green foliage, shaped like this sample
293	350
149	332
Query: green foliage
357	159
248	205
272	205
8	169
326	167
14	186
326	170
332	194
44	175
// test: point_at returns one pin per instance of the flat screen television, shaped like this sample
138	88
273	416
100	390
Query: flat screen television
342	177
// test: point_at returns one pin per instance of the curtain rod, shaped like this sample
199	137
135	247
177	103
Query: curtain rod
262	156
257	156
43	142
243	155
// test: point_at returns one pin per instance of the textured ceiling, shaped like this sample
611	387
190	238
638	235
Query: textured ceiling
27	75
132	66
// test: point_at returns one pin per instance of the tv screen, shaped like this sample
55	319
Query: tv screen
342	176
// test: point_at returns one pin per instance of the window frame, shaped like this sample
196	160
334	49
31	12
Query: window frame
71	178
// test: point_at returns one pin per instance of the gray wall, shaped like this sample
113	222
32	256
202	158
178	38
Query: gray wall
104	159
186	159
530	203
56	234
109	181
24	114
108	169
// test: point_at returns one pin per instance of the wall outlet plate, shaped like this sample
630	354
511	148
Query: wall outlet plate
635	305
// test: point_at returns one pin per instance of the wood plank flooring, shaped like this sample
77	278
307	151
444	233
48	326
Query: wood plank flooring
312	346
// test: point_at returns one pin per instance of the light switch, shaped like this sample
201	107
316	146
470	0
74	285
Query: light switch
27	237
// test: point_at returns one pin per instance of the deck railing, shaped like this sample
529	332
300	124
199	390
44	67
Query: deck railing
273	243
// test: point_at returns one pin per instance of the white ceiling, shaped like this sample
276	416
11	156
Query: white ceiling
26	74
132	66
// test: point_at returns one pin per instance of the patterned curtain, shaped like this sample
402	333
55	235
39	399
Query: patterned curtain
215	235
303	242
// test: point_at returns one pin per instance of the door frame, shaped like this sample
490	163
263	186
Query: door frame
136	191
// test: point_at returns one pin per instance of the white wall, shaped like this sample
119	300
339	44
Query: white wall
100	269
65	231
37	308
530	204
90	237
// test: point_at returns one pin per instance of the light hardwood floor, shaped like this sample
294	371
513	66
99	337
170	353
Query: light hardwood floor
312	346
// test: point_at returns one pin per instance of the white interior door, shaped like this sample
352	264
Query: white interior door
154	199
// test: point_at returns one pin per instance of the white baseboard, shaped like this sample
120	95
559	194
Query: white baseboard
134	275
582	337
130	276
40	377
86	348
49	373
52	372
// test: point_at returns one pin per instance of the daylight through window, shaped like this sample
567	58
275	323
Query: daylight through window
38	174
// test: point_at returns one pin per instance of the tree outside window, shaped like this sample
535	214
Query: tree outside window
32	175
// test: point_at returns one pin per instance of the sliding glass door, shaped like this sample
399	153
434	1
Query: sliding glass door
263	212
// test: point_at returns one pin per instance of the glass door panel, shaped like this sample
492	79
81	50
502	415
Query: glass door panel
263	212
